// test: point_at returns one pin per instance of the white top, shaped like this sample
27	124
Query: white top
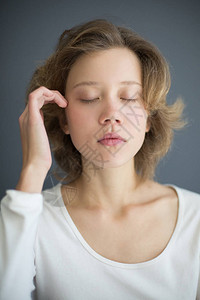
43	255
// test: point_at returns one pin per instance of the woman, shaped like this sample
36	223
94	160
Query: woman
108	231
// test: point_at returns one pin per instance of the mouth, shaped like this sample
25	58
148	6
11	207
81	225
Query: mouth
111	142
111	139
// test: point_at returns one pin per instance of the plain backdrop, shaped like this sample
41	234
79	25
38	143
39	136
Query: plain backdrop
29	31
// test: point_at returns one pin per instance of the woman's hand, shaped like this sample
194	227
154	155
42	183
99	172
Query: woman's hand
37	158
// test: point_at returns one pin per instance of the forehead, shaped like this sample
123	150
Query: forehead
106	66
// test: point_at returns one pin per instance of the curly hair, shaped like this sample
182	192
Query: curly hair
97	35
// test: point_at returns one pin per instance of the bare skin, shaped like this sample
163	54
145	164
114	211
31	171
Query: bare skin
136	233
35	145
120	217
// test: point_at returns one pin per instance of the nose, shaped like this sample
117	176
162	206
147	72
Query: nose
111	115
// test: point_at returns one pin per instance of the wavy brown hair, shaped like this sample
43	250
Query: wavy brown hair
97	35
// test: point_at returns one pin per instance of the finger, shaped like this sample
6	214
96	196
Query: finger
36	103
40	91
56	98
57	92
43	91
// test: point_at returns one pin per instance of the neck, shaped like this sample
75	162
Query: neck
109	189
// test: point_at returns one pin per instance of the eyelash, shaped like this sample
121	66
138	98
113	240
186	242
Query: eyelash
92	100
88	101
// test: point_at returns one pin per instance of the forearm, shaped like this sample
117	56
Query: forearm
31	180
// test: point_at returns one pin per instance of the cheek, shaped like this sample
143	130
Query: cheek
80	125
76	117
135	117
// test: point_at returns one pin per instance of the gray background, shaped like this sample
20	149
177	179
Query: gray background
29	31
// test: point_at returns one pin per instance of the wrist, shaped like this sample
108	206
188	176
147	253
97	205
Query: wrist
31	179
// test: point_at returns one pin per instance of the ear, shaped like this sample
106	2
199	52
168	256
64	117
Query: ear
147	115
63	122
148	125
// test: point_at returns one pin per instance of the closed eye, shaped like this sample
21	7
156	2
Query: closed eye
88	101
93	100
129	99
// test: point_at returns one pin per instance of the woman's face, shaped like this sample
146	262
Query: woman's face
104	92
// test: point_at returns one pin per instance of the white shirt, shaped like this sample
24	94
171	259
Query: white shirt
43	255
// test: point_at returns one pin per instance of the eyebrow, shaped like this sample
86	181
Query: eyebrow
92	83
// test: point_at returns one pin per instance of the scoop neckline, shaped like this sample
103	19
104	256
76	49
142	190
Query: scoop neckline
116	263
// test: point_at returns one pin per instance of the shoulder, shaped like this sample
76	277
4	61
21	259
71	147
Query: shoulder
52	207
184	195
52	198
51	194
188	201
189	209
189	197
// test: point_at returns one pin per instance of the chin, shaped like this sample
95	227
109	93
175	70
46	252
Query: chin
113	162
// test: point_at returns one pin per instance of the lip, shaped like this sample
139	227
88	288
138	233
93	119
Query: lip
112	135
111	139
111	142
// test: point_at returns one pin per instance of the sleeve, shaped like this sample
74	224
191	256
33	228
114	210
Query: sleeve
198	288
19	217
